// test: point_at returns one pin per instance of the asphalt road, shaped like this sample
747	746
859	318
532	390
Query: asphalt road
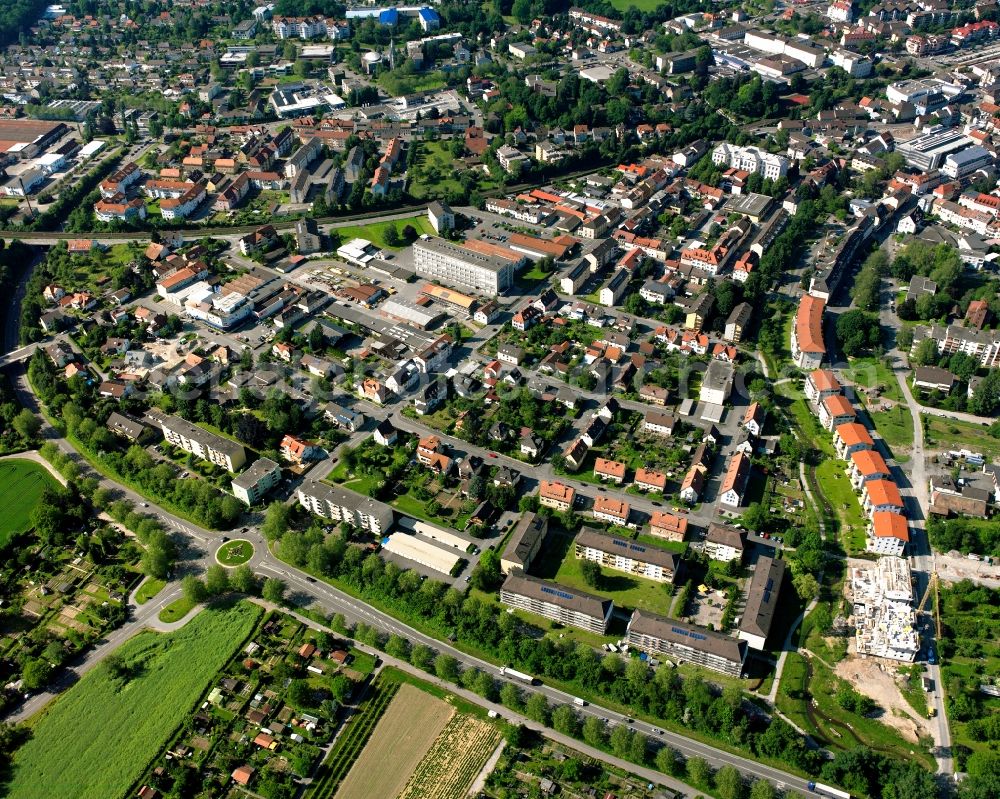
303	590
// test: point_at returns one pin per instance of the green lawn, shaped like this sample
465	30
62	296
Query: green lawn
642	5
833	482
21	485
434	175
806	421
176	610
364	483
235	553
150	587
895	425
941	433
375	232
411	506
397	84
535	275
969	653
559	563
95	740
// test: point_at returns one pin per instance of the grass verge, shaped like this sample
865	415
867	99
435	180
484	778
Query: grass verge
176	610
150	587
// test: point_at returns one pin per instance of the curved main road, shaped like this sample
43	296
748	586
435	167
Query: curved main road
305	590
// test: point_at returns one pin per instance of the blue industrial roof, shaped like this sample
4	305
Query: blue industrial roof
429	15
389	17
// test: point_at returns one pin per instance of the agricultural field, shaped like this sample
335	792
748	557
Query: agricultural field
352	740
402	738
95	740
21	484
452	763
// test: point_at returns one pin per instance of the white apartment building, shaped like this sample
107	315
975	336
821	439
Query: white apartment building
612	293
981	344
254	483
344	506
553	601
659	635
456	265
751	159
626	555
207	446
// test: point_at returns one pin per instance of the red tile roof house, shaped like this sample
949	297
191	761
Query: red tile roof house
850	438
835	411
609	470
821	384
888	534
243	775
650	480
668	525
881	495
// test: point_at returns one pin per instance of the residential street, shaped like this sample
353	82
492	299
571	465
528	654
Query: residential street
305	591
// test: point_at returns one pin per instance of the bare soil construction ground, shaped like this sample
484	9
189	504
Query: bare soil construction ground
403	736
881	685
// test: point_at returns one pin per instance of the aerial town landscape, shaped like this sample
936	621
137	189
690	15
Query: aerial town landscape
500	399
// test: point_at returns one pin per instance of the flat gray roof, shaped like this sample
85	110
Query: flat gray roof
619	545
258	470
544	591
677	632
525	537
762	596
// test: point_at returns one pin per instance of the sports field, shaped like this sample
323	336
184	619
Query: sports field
95	740
21	484
403	736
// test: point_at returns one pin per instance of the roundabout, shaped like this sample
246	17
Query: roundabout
234	553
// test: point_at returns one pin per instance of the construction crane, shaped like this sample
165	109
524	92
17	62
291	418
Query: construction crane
932	583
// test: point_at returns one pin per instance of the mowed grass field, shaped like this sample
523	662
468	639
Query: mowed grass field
403	736
95	740
375	231
21	484
642	5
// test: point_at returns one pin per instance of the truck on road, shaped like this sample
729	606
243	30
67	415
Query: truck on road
578	701
826	790
513	674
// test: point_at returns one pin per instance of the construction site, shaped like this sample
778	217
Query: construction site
883	615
